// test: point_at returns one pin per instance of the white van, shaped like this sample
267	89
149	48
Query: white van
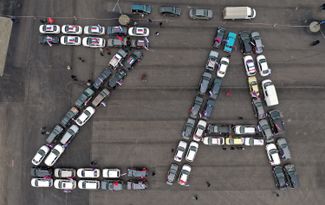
242	12
270	95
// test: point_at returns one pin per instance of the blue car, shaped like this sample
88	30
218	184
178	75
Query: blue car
142	9
230	42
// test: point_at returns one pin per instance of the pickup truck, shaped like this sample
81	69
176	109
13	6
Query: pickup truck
117	58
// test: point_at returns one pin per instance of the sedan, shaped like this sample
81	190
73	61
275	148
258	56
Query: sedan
111	173
89	184
263	66
257	41
266	131
70	40
195	110
224	62
41	182
249	65
172	173
94	30
69	134
140	43
220	33
71	29
201	125
215	90
136	184
213	140
205	81
283	147
93	42
244	130
245	42
88	173
138	31
192	151
291	175
253	87
170	11
49	40
276	121
64	172
212	60
112	185
54	155
217	129
188	128
85	116
116	42
251	141
41	172
40	155
65	184
234	141
184	175
201	14
117	78
138	172
49	29
117	30
135	57
273	154
258	108
279	177
180	151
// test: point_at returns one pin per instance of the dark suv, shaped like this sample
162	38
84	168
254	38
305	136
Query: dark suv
291	175
245	42
41	172
196	107
104	75
188	128
279	178
218	129
205	81
68	116
276	121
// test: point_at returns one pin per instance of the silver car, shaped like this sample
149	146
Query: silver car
257	41
258	108
283	148
266	130
201	14
172	173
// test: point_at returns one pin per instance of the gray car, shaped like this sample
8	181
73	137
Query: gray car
137	184
117	30
283	148
201	14
170	11
214	129
198	101
208	109
188	128
112	185
41	172
172	173
212	60
258	108
70	133
205	81
291	175
215	90
257	41
279	177
57	131
266	130
82	99
116	42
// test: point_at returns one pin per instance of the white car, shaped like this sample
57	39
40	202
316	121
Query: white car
249	65
184	175
40	155
94	30
200	128
49	29
224	62
273	154
85	116
71	29
213	140
138	31
244	130
111	173
263	66
251	141
93	42
41	182
88	173
54	155
70	40
64	172
66	184
180	151
192	151
88	184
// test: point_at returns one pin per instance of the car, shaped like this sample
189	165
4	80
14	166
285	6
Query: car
195	109
139	43
102	77
234	141
64	172
85	116
84	97
257	42
205	81
266	131
273	154
68	116
69	134
245	42
212	60
263	66
139	31
249	65
283	148
117	30
192	151
71	29
93	42
65	184
143	9
279	177
112	173
70	40
135	57
180	151
230	42
184	175
41	182
136	184
49	40
208	108
208	140
276	121
201	14
258	108
253	87
215	89
117	78
200	128
100	97
41	172
40	155
49	29
116	42
54	134
89	184
220	33
244	130
88	173
251	141
94	30
270	94
188	128
223	65
112	185
170	11
138	172
291	175
54	155
217	129
172	173
117	58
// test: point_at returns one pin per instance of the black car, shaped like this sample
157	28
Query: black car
117	78
276	121
245	42
138	172
172	173
205	81
220	33
41	172
195	110
49	40
279	177
215	90
112	185
104	75
137	184
291	175
188	128
132	59
170	10
208	109
214	129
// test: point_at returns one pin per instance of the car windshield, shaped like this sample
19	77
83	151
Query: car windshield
202	13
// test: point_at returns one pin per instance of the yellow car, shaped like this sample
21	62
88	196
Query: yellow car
234	141
253	87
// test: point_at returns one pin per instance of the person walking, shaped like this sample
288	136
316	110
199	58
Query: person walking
314	43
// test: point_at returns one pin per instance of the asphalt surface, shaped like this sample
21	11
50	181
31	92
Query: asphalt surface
143	120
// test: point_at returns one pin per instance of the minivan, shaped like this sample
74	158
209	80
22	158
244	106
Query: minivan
241	12
270	95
